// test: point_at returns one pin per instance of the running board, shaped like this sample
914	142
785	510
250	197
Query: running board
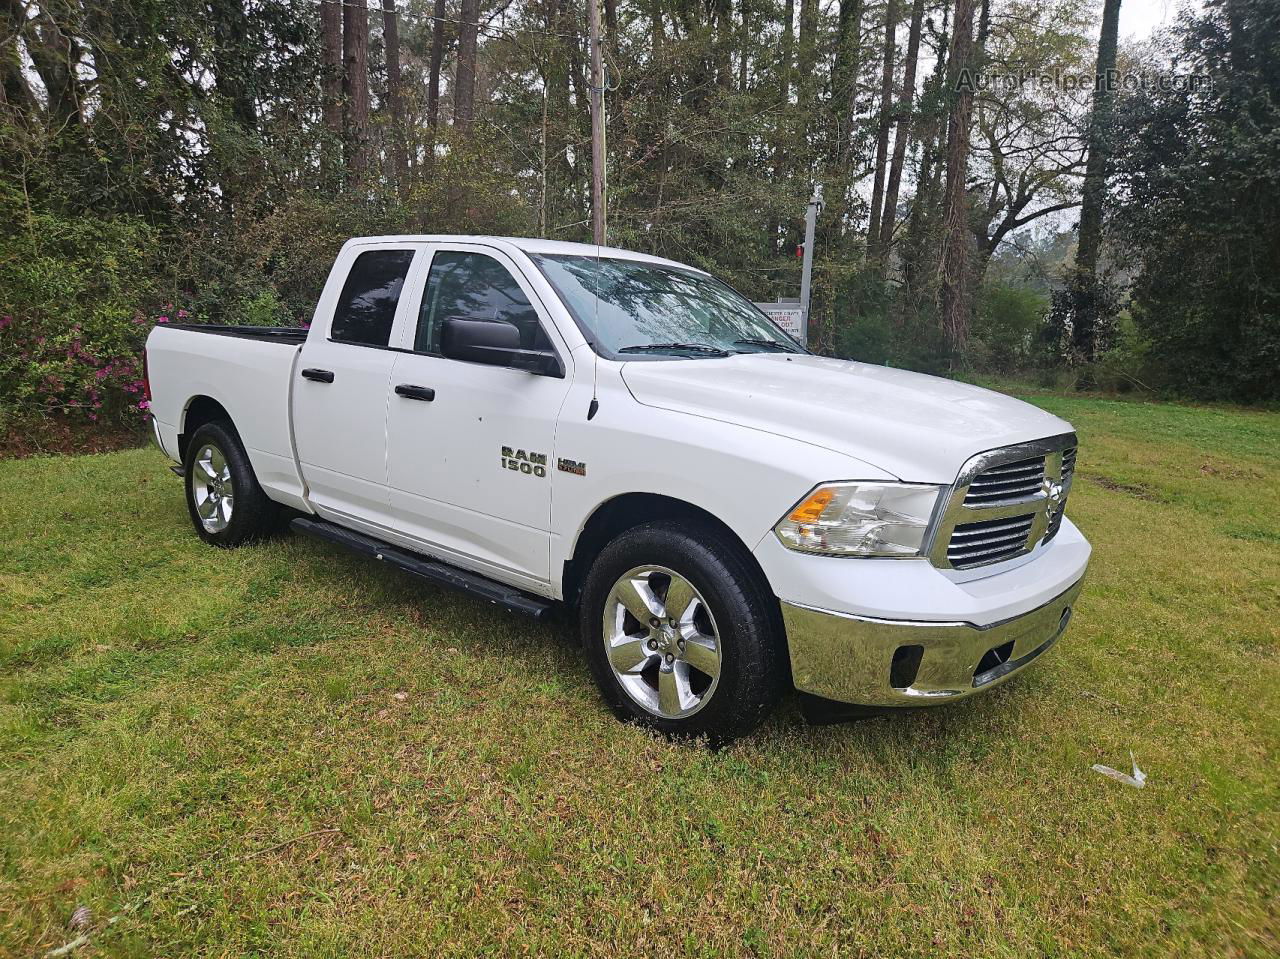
432	570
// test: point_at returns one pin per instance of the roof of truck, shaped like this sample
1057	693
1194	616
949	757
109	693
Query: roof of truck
528	245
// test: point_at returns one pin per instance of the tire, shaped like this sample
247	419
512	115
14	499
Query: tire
720	669
227	505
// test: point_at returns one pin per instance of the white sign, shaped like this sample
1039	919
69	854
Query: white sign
790	319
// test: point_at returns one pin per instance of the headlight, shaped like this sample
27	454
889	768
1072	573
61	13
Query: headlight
860	519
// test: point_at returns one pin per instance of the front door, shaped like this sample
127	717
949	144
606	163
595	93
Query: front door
340	390
470	468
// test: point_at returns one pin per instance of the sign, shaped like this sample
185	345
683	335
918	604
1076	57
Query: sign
789	318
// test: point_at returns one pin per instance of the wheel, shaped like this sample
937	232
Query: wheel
681	633
226	504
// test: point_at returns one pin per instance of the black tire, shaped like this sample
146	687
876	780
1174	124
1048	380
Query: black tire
753	671
252	514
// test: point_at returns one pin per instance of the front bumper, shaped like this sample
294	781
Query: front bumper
892	662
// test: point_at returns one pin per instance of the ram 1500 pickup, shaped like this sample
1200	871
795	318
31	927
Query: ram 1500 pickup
549	424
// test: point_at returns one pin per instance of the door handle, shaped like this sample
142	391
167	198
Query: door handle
411	392
320	376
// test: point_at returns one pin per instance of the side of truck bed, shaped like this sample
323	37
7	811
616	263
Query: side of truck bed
248	372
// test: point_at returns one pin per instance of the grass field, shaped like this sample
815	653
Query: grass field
285	750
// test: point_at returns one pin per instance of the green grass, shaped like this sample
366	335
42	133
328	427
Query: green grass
285	750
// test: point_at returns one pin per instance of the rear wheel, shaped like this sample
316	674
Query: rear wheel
226	504
681	634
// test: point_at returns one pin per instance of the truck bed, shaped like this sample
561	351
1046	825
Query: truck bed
248	371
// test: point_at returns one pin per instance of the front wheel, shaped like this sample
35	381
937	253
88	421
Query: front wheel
226	503
681	633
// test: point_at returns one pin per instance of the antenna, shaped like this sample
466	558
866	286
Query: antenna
594	406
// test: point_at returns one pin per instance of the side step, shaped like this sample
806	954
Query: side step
432	570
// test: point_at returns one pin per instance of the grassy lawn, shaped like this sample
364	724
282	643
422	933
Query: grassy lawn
285	750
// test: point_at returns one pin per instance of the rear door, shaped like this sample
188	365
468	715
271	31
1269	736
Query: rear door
341	384
470	469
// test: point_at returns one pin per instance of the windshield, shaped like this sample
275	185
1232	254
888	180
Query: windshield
647	309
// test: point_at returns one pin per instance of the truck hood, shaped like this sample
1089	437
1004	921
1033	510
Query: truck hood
919	428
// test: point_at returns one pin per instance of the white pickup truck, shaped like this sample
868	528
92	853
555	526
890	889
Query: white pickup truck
546	424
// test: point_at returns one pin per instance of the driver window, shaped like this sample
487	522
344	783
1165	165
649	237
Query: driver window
474	286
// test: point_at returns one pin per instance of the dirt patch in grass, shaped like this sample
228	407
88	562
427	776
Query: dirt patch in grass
1141	490
67	435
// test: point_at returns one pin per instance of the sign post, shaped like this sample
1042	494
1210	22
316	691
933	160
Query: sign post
793	315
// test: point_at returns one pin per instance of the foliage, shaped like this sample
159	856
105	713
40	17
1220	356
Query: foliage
1200	201
1006	327
189	148
77	297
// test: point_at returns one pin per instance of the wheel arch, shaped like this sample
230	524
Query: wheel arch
628	510
200	409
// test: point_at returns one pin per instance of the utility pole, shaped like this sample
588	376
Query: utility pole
806	268
597	124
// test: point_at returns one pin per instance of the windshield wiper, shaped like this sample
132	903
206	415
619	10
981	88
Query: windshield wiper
668	347
772	344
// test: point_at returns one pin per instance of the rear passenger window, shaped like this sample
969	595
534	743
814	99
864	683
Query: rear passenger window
367	306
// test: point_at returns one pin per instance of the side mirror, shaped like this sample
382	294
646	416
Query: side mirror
495	343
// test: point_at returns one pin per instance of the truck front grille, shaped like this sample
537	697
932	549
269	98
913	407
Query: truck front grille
1005	503
1006	484
1068	471
989	541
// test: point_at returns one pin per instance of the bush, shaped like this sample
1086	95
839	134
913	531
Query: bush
77	298
1006	323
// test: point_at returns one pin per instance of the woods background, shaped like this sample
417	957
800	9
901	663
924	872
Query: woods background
203	161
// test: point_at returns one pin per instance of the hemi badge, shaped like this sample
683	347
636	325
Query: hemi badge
571	466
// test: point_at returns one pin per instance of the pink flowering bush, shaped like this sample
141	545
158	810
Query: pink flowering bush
77	300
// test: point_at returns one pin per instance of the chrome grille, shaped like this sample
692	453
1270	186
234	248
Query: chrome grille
1006	484
989	541
1004	503
1068	471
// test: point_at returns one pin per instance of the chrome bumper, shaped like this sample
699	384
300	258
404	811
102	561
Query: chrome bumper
155	436
884	662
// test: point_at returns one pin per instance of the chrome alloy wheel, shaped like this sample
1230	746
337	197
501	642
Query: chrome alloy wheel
212	489
662	642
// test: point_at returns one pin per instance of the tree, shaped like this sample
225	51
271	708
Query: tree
464	91
1197	200
956	237
1087	334
331	70
437	61
882	129
395	95
906	105
355	84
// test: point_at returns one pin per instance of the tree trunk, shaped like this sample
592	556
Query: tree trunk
882	131
331	82
395	95
1095	173
906	107
808	51
956	234
355	84
844	80
437	60
464	91
780	132
918	256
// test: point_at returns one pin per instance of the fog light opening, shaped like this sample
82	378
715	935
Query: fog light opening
905	666
997	656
